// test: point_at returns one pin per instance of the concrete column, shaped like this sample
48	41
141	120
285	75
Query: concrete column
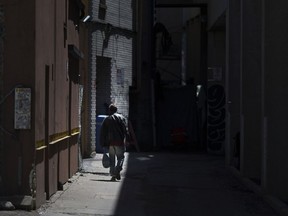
141	100
275	65
250	153
233	82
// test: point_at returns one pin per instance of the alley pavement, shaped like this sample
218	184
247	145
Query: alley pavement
158	184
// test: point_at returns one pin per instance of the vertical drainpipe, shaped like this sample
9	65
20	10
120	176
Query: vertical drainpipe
153	73
1	92
241	91
139	41
264	118
228	151
203	66
20	169
183	50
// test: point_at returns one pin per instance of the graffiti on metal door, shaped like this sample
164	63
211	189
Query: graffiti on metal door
216	118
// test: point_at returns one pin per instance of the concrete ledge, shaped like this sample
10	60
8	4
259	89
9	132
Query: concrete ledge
279	206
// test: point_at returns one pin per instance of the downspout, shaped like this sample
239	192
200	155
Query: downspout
139	53
152	80
1	92
228	151
264	117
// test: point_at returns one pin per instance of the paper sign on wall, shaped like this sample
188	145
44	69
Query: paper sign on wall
120	77
22	113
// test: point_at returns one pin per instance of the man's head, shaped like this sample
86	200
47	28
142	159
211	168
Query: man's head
112	109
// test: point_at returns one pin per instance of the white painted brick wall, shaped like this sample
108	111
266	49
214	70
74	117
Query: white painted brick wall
120	50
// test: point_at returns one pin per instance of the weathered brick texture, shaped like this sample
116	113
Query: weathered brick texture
111	59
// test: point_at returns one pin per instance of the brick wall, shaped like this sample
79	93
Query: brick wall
118	13
110	59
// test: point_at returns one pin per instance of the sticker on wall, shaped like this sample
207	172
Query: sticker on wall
215	74
22	112
120	77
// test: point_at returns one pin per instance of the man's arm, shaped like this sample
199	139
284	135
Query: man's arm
126	129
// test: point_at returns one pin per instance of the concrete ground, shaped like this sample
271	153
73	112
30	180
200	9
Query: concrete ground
156	184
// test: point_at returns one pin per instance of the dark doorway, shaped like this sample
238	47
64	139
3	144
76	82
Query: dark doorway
103	84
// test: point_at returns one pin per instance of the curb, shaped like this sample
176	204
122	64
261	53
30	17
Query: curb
279	206
66	186
42	209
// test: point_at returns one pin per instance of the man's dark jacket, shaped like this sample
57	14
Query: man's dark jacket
113	131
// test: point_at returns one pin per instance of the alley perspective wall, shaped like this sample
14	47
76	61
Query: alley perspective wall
41	55
110	64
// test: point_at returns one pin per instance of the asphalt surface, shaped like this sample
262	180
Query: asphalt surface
157	184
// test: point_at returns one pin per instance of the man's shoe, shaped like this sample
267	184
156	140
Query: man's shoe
113	178
118	177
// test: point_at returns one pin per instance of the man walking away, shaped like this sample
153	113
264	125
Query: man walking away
112	136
